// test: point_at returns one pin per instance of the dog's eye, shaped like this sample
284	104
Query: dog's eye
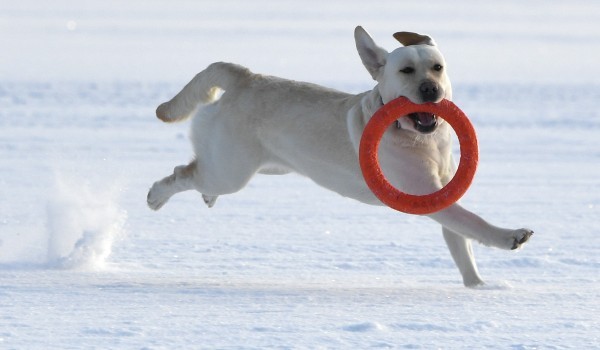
407	70
438	67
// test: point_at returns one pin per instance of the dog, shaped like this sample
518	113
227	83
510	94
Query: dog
246	123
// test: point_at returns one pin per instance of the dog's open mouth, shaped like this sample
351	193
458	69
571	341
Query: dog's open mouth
424	122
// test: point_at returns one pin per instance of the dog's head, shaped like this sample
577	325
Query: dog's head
416	71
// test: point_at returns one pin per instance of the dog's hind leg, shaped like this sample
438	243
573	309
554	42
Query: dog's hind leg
462	254
181	180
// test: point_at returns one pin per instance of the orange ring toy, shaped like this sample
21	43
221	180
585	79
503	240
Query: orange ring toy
418	204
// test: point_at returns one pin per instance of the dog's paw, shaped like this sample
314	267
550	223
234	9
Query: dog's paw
209	200
520	237
473	282
156	197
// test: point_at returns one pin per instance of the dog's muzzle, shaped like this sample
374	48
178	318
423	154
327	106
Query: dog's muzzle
429	91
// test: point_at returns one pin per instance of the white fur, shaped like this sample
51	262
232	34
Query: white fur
265	124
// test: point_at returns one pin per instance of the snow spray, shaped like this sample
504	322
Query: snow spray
82	225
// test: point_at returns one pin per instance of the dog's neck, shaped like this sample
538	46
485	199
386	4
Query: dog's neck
371	102
366	105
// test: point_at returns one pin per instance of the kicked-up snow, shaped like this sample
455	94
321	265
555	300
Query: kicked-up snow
283	263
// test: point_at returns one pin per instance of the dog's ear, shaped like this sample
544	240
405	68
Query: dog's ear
372	56
409	38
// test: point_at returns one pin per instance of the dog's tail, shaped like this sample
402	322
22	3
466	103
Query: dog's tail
204	88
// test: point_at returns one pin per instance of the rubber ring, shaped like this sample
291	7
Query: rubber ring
418	204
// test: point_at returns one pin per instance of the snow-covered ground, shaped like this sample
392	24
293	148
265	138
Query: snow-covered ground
285	264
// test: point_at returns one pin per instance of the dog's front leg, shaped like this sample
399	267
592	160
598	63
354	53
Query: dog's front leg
467	224
462	254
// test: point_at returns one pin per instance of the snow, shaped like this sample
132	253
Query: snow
283	263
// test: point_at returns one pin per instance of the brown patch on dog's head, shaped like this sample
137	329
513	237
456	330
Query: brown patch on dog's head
410	38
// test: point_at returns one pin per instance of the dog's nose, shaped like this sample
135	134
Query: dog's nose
429	91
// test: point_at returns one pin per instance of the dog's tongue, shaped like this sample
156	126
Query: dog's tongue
425	119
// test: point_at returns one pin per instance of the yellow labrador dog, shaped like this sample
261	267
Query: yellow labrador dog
246	123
